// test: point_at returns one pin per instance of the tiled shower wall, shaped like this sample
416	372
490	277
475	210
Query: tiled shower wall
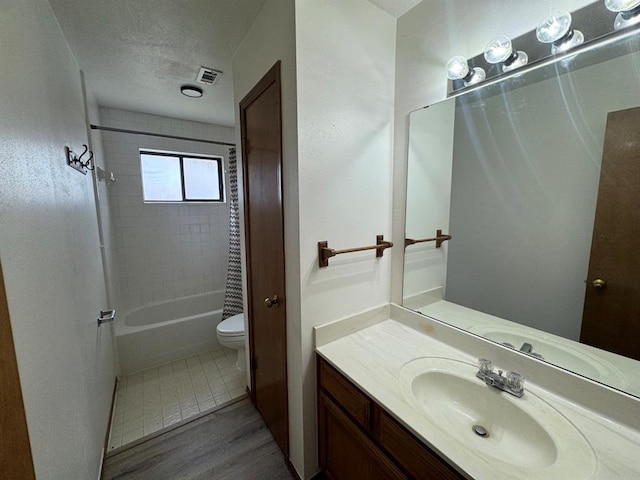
168	250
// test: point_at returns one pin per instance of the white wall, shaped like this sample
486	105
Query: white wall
428	183
49	247
345	74
272	38
163	251
337	170
427	36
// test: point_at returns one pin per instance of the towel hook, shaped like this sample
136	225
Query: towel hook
76	162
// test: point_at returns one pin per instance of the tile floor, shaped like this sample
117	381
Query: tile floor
159	397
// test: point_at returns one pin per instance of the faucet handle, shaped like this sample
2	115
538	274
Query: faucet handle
515	381
486	366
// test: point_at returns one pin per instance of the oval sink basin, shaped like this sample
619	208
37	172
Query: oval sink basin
556	351
524	437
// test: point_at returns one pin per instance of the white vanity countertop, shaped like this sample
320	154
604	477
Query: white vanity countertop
373	357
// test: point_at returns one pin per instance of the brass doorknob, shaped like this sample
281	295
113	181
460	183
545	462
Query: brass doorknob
599	283
270	302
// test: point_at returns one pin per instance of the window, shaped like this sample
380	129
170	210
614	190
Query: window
175	177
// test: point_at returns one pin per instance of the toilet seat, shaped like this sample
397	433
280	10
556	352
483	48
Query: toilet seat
232	326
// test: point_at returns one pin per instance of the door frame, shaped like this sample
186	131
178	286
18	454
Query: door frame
272	77
16	460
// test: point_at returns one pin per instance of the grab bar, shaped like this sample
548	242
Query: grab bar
106	316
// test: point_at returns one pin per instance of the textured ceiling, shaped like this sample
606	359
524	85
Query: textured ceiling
137	53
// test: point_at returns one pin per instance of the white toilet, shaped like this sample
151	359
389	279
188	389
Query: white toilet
231	335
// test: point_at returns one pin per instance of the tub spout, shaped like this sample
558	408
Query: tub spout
106	316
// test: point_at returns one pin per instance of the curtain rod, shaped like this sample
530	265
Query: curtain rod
174	137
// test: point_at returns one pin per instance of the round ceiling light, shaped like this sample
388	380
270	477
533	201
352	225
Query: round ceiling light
191	91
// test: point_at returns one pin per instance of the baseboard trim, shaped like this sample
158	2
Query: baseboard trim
251	396
318	476
292	470
105	447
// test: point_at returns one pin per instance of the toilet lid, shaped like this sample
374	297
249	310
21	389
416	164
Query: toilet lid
232	326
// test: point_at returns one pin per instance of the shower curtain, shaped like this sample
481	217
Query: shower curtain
233	293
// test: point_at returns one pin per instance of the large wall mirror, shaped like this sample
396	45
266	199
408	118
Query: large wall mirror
537	180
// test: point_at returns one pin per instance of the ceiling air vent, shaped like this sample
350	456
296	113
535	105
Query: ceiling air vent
208	76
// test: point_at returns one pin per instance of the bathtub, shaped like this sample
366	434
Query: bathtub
166	331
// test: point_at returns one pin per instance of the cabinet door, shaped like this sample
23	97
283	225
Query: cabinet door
410	453
346	453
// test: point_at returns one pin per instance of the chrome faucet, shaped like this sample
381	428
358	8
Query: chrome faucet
526	348
512	383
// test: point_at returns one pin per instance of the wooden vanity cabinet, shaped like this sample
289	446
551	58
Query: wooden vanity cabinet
357	439
346	452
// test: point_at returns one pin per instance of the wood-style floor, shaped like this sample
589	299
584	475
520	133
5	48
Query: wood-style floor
232	443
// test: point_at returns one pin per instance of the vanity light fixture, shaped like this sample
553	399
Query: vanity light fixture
500	50
191	91
458	69
557	31
628	12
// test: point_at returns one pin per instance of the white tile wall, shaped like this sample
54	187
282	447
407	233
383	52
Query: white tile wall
163	251
159	397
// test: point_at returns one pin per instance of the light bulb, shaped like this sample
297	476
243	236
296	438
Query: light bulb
458	69
520	60
621	5
557	30
500	50
629	12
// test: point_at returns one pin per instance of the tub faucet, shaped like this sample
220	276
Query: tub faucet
512	383
106	316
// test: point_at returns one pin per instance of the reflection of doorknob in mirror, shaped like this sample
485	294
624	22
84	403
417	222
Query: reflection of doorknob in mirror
599	284
270	302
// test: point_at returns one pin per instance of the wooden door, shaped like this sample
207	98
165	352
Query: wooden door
15	448
611	317
260	120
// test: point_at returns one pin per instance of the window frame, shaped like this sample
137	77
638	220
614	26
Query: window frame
181	156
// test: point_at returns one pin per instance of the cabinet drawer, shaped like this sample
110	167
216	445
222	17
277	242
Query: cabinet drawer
415	457
349	397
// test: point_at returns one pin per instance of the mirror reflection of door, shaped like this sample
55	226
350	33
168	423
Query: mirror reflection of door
611	316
